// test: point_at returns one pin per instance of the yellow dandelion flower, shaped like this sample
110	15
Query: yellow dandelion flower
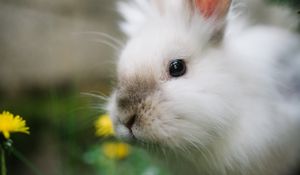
104	126
10	123
116	150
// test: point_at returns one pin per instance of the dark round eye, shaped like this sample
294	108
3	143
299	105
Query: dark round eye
177	68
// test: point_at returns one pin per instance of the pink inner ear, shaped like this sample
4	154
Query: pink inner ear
209	8
206	7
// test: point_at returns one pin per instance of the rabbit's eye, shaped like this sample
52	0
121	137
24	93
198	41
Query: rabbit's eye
177	68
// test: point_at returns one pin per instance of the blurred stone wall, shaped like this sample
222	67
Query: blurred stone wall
46	42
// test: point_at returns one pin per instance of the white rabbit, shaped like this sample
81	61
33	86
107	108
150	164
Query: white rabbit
207	92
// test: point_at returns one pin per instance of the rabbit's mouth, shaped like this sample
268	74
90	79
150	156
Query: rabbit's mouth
131	134
137	130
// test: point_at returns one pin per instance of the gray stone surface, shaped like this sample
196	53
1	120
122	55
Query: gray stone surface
43	43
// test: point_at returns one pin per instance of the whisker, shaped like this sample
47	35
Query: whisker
104	40
117	41
116	48
101	97
105	35
99	93
96	107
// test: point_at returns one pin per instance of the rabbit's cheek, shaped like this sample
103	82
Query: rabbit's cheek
147	122
147	119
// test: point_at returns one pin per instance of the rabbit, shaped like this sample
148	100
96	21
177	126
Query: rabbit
208	89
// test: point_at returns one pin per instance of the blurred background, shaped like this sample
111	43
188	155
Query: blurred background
49	55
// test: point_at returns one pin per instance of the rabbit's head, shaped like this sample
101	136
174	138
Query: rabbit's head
172	89
213	99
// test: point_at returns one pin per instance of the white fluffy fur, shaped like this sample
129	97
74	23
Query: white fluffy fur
236	111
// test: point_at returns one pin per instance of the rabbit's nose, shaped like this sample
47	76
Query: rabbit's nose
130	122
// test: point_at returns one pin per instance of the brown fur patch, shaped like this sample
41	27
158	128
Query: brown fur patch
132	90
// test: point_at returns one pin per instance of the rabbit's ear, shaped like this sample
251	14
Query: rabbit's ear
212	8
136	12
216	9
